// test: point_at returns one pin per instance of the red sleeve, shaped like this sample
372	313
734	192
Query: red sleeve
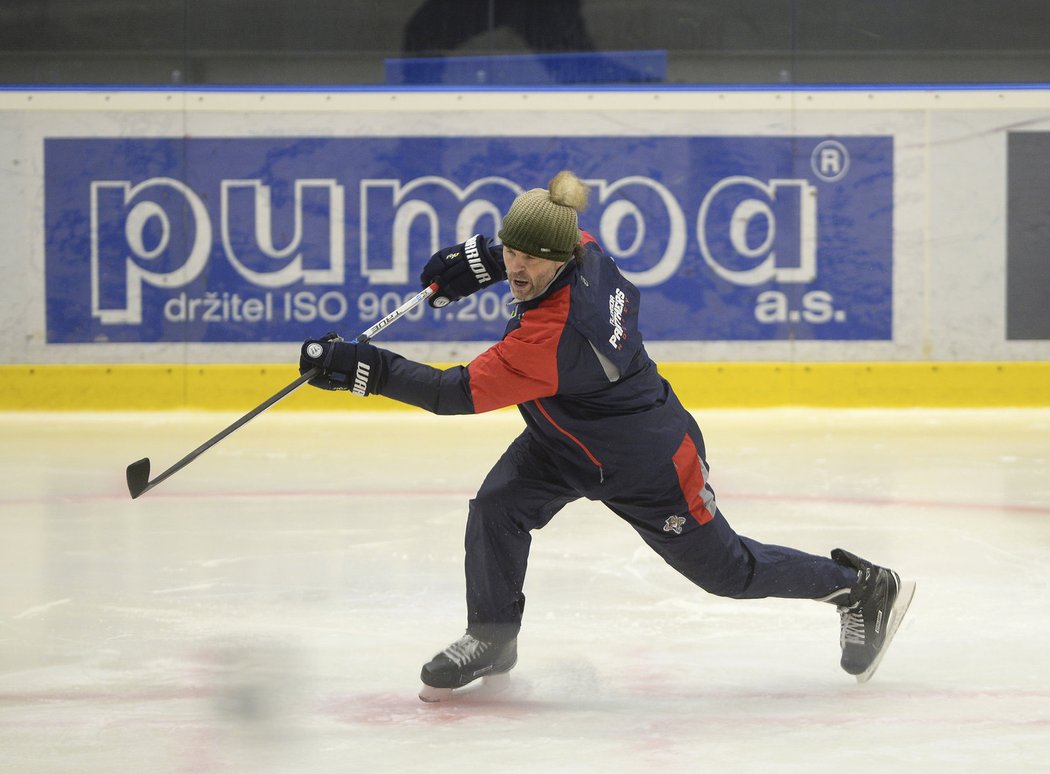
524	366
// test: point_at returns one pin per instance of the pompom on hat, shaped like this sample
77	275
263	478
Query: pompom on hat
544	222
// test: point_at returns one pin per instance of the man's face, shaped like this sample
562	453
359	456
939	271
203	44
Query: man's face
528	275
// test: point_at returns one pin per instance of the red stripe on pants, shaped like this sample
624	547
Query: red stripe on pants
691	479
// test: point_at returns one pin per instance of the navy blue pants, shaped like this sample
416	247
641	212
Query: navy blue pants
669	503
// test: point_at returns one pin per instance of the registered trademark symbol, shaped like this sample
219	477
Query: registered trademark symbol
830	161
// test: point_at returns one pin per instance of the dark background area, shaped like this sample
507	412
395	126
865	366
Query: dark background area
332	43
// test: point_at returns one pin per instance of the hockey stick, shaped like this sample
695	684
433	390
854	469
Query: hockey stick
138	472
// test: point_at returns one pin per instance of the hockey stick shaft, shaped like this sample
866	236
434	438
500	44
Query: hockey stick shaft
138	472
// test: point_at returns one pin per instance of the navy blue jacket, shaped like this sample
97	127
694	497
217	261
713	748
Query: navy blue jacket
573	362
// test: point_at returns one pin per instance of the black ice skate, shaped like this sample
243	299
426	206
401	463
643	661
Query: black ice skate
870	614
464	661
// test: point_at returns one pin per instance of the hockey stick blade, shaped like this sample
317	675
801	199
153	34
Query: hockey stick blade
138	472
138	477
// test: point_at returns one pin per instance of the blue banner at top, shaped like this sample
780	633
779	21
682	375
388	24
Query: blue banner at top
281	239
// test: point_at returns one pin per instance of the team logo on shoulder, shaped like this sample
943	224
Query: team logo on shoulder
674	524
617	309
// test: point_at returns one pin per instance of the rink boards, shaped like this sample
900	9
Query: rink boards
821	246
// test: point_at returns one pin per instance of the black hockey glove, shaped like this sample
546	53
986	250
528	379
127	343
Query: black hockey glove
344	365
463	269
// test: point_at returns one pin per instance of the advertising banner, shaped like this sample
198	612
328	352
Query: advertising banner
731	238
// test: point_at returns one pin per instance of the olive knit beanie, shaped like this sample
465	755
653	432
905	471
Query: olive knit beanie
543	222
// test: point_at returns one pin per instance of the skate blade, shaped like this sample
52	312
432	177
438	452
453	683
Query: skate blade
900	607
488	686
432	695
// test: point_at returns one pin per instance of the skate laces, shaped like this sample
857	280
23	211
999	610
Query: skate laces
852	619
465	649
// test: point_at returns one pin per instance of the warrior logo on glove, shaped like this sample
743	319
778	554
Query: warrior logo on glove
343	365
463	269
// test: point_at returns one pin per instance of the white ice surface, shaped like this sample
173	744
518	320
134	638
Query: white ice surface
267	609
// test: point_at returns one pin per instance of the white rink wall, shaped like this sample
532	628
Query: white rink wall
949	201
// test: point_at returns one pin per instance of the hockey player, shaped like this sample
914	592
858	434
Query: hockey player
600	423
